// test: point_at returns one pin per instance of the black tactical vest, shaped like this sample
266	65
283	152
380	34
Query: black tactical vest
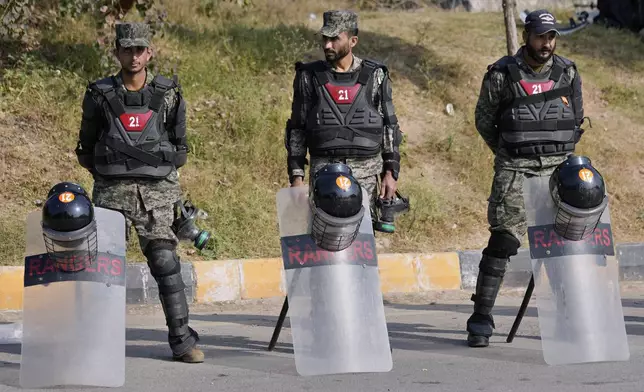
540	120
344	121
135	143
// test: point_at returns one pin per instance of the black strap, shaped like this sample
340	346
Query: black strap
134	152
116	157
485	301
160	88
176	323
391	156
542	97
543	125
115	103
328	133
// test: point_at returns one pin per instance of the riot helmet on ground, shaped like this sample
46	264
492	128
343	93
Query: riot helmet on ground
335	199
69	230
579	194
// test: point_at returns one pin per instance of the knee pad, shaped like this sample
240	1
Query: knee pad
165	266
502	245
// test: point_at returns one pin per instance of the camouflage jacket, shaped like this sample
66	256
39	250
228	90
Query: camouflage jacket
495	90
123	193
295	137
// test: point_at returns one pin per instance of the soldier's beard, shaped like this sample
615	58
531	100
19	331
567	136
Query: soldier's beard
540	56
332	56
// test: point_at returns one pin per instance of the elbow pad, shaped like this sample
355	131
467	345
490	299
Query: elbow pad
85	157
181	156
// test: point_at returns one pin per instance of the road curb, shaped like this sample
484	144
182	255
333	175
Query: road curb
242	279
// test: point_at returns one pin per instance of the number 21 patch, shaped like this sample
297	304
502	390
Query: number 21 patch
135	122
532	88
343	94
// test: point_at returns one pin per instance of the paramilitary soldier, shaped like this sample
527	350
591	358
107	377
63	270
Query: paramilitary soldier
133	139
529	112
342	112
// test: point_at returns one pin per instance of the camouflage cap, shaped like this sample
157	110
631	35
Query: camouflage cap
336	22
133	34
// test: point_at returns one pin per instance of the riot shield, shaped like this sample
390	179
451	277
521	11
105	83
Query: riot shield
74	322
576	285
335	300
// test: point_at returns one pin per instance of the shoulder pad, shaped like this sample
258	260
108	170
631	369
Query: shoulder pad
566	63
311	66
502	63
375	64
160	80
102	85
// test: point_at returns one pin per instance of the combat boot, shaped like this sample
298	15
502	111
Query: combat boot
194	355
481	324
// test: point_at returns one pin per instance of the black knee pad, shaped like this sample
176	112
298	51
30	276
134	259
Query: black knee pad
502	245
165	266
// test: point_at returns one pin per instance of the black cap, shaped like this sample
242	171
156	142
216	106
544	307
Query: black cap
541	22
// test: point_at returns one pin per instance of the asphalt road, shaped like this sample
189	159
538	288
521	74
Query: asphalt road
427	336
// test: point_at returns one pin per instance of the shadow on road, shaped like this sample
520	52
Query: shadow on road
219	345
235	351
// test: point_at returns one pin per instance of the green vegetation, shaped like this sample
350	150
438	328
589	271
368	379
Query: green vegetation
236	67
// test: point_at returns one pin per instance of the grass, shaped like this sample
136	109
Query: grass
236	68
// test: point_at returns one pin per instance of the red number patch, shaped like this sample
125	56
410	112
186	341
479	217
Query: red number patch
537	87
135	122
342	94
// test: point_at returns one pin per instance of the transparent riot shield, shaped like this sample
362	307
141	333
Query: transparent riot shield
335	300
74	322
576	285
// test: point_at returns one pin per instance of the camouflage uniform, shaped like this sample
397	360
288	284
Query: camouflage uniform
366	170
146	203
506	210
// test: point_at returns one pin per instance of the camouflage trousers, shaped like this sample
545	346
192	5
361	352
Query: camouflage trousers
370	184
506	208
149	225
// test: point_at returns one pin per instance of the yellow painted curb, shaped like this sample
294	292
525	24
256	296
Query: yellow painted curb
231	280
439	271
398	274
261	278
11	287
216	281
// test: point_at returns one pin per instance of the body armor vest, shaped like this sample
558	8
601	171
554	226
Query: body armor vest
135	143
540	120
344	121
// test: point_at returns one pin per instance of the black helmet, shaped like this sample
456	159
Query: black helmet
578	183
67	186
336	204
69	230
579	193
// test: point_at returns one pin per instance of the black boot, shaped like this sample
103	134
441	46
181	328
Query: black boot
481	324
